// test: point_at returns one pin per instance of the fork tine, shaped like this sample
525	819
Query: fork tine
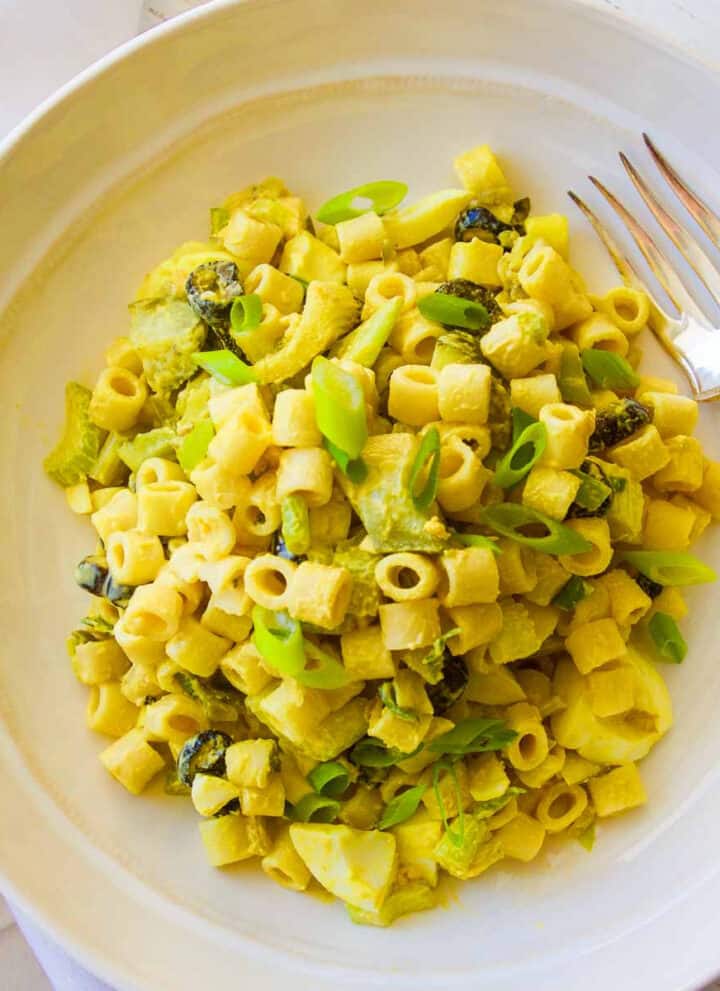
697	208
659	264
681	238
623	264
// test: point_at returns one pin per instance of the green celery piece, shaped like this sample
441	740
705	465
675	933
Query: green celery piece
109	468
365	343
166	334
627	506
571	377
383	501
365	595
457	857
158	443
76	452
414	896
456	347
192	403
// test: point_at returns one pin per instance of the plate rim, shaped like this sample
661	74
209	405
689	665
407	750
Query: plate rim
81	949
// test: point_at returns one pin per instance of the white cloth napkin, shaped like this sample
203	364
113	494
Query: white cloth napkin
42	45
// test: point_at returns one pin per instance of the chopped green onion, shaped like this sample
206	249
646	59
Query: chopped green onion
477	540
386	691
571	378
330	779
194	445
356	469
279	640
447	765
520	421
339	407
225	366
402	807
592	492
383	196
669	567
586	839
321	670
572	592
246	313
483	810
525	452
365	343
667	637
508	518
219	217
473	736
314	808
295	526
608	370
429	450
373	753
454	311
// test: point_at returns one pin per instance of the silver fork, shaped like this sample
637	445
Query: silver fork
690	337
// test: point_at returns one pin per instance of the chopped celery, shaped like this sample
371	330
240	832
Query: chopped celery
365	343
414	896
166	333
383	501
158	443
75	454
109	468
571	377
192	403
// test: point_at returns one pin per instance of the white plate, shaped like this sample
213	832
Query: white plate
99	186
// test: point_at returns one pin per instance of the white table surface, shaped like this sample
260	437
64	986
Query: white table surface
43	44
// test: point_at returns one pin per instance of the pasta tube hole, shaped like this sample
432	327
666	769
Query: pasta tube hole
124	383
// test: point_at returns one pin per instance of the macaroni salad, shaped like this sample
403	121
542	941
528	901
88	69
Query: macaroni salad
391	538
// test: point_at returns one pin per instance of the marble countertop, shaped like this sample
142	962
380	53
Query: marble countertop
32	66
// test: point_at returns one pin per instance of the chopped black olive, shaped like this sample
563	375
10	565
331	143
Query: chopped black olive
478	221
617	422
118	594
521	211
476	293
279	548
91	574
454	680
649	587
596	475
211	289
203	753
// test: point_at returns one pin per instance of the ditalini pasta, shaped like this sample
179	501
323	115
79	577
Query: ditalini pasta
391	537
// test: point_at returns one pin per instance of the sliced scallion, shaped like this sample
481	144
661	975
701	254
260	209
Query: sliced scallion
667	638
572	592
194	445
509	519
339	407
669	567
382	196
314	808
330	779
427	452
246	313
454	311
608	370
473	736
225	366
279	640
402	807
525	452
